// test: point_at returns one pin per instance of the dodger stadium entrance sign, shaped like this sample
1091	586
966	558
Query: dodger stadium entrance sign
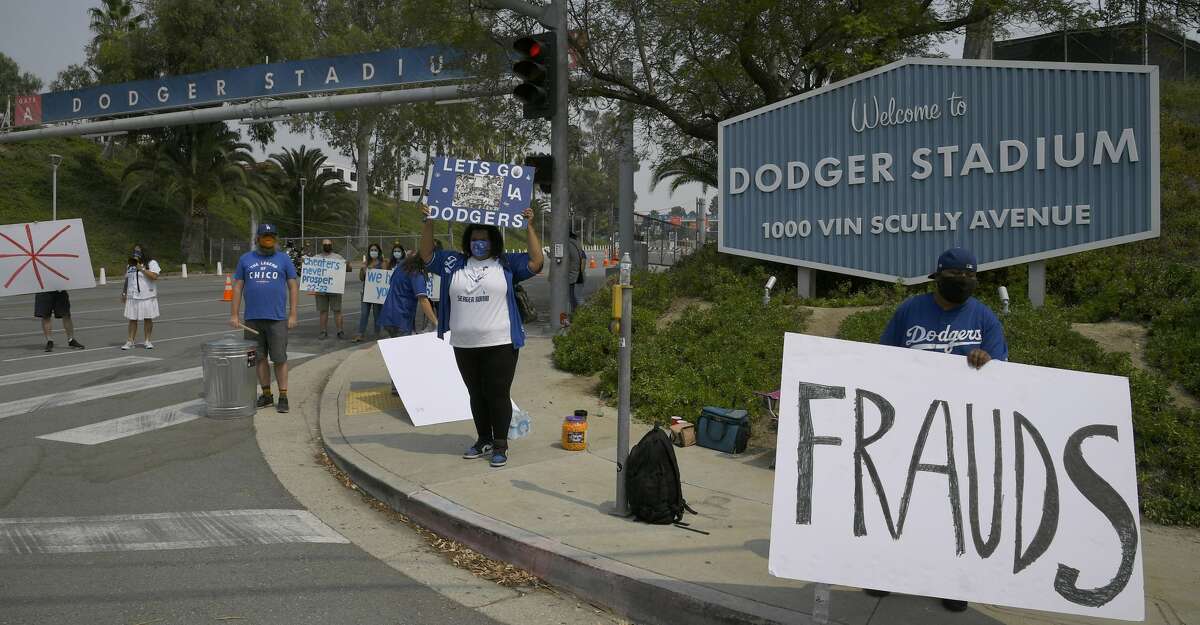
876	175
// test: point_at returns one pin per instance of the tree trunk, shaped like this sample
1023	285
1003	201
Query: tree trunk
363	148
191	245
980	37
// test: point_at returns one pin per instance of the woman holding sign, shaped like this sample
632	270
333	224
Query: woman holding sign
479	309
374	261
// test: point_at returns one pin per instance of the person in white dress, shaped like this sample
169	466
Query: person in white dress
140	294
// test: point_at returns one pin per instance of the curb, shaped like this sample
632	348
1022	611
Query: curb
634	593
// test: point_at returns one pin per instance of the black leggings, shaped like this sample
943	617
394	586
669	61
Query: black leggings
488	373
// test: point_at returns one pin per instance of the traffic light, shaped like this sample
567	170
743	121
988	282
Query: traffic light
535	65
543	170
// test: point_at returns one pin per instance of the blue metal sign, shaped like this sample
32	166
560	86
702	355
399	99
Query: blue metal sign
385	68
480	192
876	175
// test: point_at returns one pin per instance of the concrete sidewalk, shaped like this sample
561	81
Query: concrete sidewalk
550	511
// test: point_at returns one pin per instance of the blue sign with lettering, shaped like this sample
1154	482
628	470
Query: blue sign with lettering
876	175
480	192
385	68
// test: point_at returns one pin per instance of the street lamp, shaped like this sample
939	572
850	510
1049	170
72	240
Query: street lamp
55	161
303	181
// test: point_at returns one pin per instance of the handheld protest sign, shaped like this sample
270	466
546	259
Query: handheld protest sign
908	471
323	275
44	256
376	285
480	192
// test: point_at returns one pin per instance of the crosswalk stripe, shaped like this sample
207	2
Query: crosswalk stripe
101	391
130	425
75	369
162	531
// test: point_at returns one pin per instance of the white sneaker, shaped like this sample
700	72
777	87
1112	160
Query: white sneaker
149	345
128	345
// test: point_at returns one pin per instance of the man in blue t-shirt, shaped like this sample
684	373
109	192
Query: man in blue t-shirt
949	321
267	278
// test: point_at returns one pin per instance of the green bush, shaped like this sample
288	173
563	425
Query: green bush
1166	437
1174	342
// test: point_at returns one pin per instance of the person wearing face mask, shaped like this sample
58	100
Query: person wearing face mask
268	280
330	301
140	294
397	257
949	321
375	260
479	309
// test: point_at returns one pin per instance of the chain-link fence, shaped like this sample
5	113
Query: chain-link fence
666	241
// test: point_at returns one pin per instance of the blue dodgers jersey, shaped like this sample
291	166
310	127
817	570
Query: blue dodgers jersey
919	323
400	307
265	284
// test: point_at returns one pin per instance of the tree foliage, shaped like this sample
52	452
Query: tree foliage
326	195
14	82
188	167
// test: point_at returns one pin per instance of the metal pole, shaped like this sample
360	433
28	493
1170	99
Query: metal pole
55	160
1037	283
625	173
560	201
624	368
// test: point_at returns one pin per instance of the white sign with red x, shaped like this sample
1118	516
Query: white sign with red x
44	256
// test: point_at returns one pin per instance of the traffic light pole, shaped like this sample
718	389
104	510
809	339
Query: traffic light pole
559	198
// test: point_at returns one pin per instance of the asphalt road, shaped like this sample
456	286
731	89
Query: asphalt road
114	523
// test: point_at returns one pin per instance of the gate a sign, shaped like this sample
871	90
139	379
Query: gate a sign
27	110
876	175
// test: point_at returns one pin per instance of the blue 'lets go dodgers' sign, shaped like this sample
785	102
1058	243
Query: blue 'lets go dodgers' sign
480	192
384	68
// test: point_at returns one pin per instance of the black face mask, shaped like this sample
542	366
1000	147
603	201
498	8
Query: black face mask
327	248
956	290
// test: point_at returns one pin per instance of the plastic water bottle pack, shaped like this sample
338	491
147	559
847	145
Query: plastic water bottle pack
521	423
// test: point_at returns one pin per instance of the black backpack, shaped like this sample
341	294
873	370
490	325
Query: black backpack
652	480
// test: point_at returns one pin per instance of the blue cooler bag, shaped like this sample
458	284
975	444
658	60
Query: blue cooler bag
723	429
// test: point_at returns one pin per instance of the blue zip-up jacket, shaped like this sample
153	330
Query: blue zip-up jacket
516	269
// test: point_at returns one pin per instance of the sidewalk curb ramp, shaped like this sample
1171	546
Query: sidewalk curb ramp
644	597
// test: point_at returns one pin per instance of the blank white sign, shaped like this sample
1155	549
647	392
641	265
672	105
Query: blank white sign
425	374
928	527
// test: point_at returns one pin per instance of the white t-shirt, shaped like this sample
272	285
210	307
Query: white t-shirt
479	305
138	286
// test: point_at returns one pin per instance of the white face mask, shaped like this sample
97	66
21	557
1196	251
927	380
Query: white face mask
397	255
374	253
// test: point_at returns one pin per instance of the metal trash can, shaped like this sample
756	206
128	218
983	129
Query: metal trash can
230	378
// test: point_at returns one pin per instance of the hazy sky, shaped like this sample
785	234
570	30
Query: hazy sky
45	36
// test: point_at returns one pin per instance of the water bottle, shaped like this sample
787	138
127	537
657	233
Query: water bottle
521	422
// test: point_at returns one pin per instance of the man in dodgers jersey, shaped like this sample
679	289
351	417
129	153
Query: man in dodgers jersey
949	321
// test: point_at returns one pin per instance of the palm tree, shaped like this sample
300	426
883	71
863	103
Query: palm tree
189	166
685	169
113	18
326	196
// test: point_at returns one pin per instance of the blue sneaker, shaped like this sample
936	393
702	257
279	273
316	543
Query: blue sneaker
499	458
477	451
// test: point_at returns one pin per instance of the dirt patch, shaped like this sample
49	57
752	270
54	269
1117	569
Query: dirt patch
1129	338
675	310
827	321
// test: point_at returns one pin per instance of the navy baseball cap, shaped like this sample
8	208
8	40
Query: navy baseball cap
956	258
267	229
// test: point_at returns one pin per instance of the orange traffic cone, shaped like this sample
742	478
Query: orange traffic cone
592	264
228	296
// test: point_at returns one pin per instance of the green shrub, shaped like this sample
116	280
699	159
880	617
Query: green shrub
1166	437
1174	342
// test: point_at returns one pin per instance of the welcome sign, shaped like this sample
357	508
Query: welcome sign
876	175
384	68
906	470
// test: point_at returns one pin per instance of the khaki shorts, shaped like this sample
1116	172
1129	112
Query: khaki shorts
329	301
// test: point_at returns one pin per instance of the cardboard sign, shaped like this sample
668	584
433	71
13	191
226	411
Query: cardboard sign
480	192
44	256
426	375
908	471
323	275
375	288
